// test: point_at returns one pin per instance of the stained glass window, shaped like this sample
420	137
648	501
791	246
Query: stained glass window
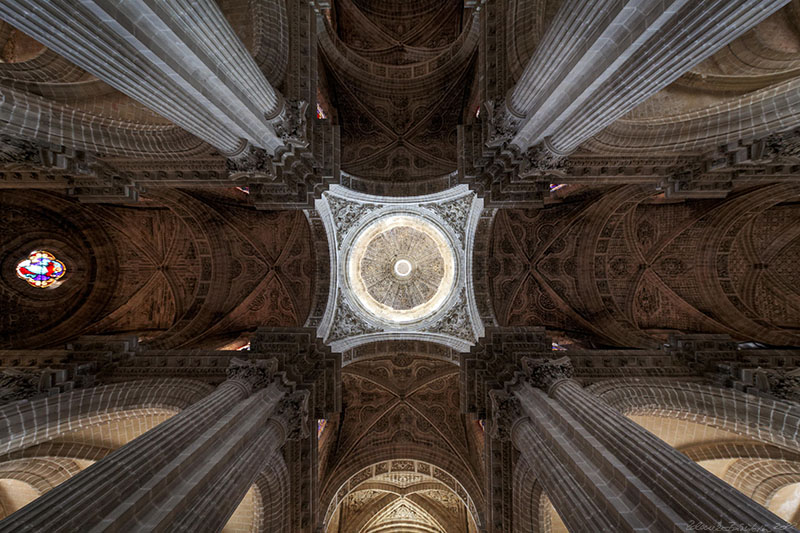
41	269
320	426
321	112
556	186
245	347
245	190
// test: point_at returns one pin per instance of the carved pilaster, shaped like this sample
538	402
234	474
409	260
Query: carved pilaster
506	412
292	414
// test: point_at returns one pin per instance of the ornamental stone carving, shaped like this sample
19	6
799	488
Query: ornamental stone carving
540	159
19	151
506	411
255	374
18	385
782	384
782	146
544	373
502	125
455	213
345	213
250	159
292	414
400	268
456	321
348	323
291	126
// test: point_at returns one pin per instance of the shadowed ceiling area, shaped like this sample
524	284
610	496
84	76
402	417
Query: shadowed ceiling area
399	266
399	79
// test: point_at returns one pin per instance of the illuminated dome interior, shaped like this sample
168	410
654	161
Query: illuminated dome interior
401	268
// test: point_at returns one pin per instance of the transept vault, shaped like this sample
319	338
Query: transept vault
380	266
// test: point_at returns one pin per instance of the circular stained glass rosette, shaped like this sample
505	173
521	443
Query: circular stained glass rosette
41	269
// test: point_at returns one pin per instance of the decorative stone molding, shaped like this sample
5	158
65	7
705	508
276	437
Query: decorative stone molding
494	170
546	373
456	322
256	374
292	414
702	351
779	383
455	213
345	213
781	147
495	362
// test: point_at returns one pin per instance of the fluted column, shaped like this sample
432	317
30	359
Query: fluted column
179	58
601	58
186	474
603	472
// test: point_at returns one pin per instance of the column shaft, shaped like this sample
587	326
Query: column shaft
592	457
181	59
150	482
31	117
601	58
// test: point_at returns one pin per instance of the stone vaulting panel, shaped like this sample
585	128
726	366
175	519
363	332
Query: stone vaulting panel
178	269
627	268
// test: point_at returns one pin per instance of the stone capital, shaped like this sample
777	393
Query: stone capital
250	159
292	414
542	159
502	124
255	375
506	412
544	373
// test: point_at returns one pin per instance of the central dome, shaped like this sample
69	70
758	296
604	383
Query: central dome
401	268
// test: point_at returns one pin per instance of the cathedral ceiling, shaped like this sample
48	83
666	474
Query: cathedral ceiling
625	268
400	77
401	405
178	269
